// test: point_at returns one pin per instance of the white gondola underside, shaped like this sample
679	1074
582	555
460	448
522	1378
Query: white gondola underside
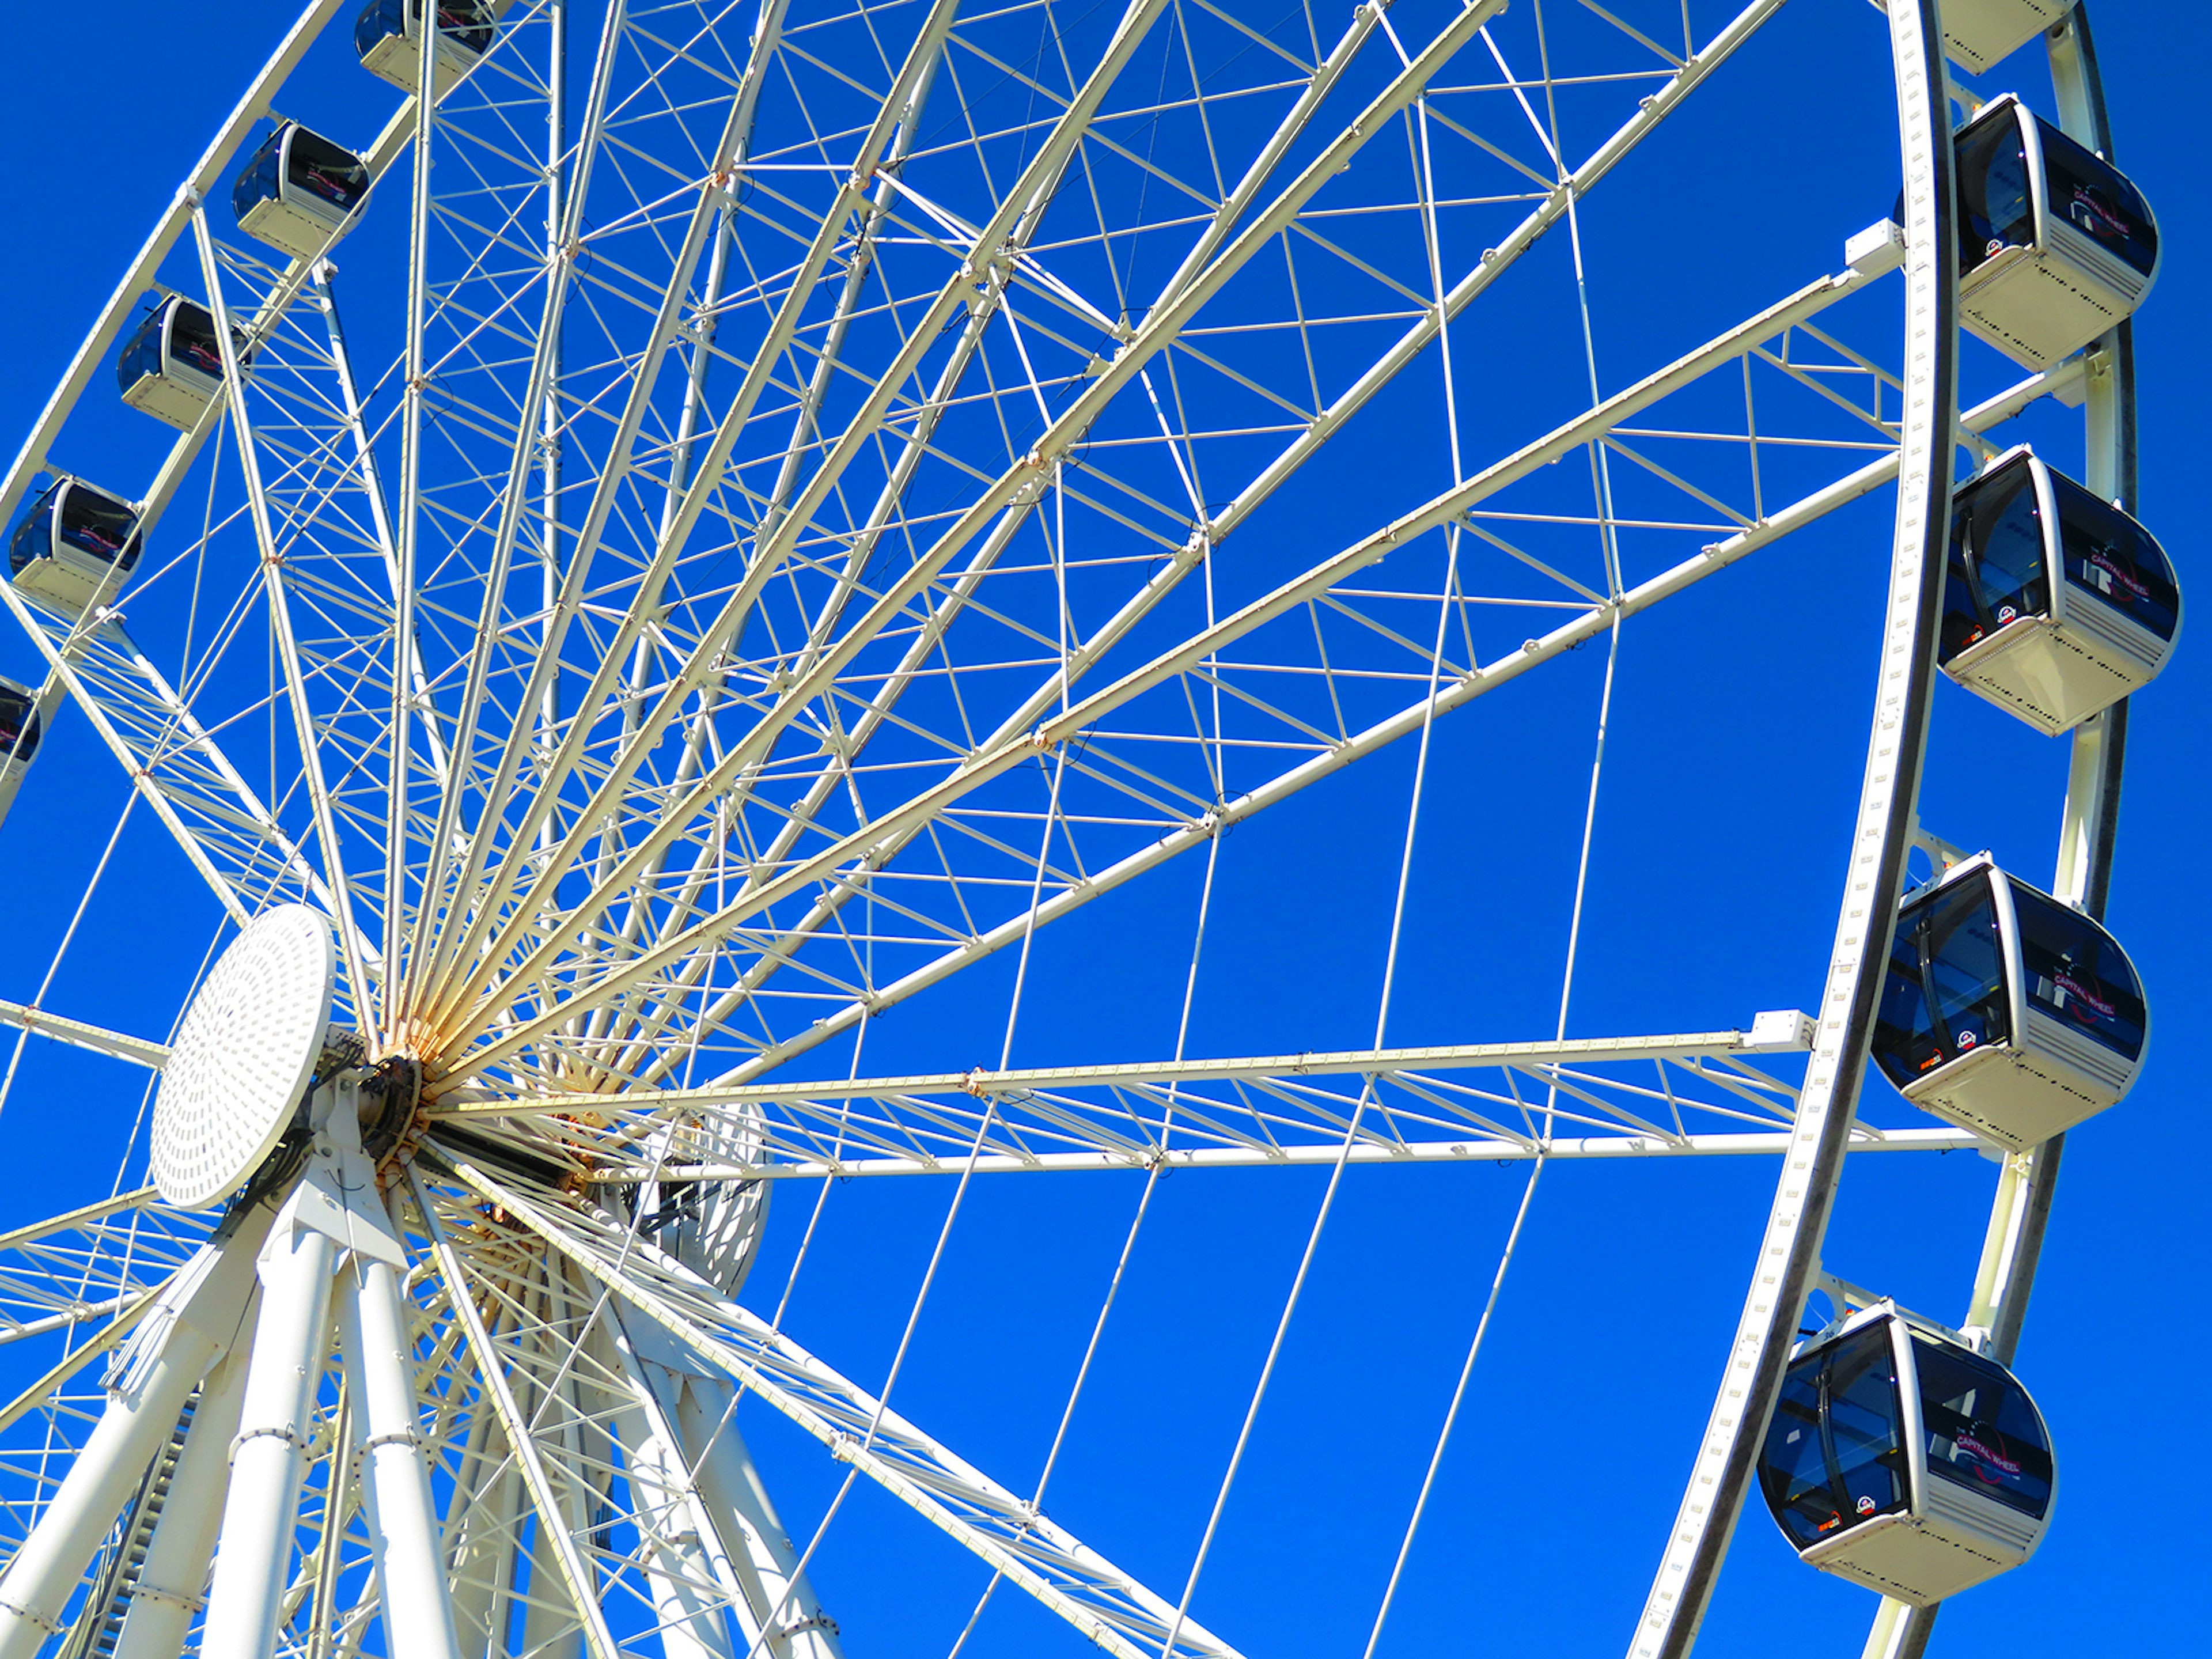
1961	1542
398	59
1978	34
290	225
66	582
2038	306
2054	673
2020	1094
179	396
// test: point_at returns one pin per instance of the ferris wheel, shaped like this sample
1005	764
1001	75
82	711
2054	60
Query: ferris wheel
685	531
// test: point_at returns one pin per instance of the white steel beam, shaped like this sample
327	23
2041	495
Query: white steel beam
1452	694
76	1033
165	1595
865	846
456	888
1113	1610
996	246
1790	1254
553	1537
164	1361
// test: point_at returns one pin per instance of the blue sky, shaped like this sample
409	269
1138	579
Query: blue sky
1734	757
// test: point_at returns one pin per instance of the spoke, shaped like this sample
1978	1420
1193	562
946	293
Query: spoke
1116	1611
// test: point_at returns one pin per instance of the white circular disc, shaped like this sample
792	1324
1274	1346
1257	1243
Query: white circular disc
244	1055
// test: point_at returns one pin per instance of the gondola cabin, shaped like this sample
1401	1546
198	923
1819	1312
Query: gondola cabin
74	546
1978	33
2055	245
18	730
2005	1011
172	367
388	36
2057	604
300	192
1906	1461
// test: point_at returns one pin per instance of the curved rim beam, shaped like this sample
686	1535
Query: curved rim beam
2021	1210
1790	1254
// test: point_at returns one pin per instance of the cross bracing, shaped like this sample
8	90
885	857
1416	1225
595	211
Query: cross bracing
849	488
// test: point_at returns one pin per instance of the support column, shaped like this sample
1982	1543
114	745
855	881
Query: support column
760	1550
189	1326
168	1591
395	1481
291	1341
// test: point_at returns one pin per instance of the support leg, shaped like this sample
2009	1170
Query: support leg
170	1584
755	1537
291	1341
395	1482
165	1359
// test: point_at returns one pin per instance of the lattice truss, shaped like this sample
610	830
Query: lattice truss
824	558
847	509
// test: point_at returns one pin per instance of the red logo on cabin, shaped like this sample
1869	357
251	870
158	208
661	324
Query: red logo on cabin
2084	998
2109	222
1989	1460
2110	567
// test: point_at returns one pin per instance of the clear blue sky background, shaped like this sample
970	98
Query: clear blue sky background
1736	751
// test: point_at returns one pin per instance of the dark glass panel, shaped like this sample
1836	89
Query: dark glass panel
2076	973
1834	1455
322	169
142	352
257	180
2097	200
1982	1430
467	23
1996	209
378	21
19	722
34	536
1997	573
193	342
2109	555
1945	993
101	526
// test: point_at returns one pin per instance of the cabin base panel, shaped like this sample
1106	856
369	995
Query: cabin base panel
168	400
289	229
398	59
2053	675
1978	34
2018	1099
2040	308
62	586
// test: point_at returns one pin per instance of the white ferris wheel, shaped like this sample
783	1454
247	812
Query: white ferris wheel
717	574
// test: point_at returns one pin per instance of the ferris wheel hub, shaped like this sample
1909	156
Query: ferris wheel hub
244	1056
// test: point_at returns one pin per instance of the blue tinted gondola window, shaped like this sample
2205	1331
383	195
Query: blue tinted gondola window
322	169
142	354
258	181
1834	1455
2075	973
1996	209
1998	575
2093	197
104	528
34	536
1945	993
2113	556
467	22
193	342
1983	1432
19	723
